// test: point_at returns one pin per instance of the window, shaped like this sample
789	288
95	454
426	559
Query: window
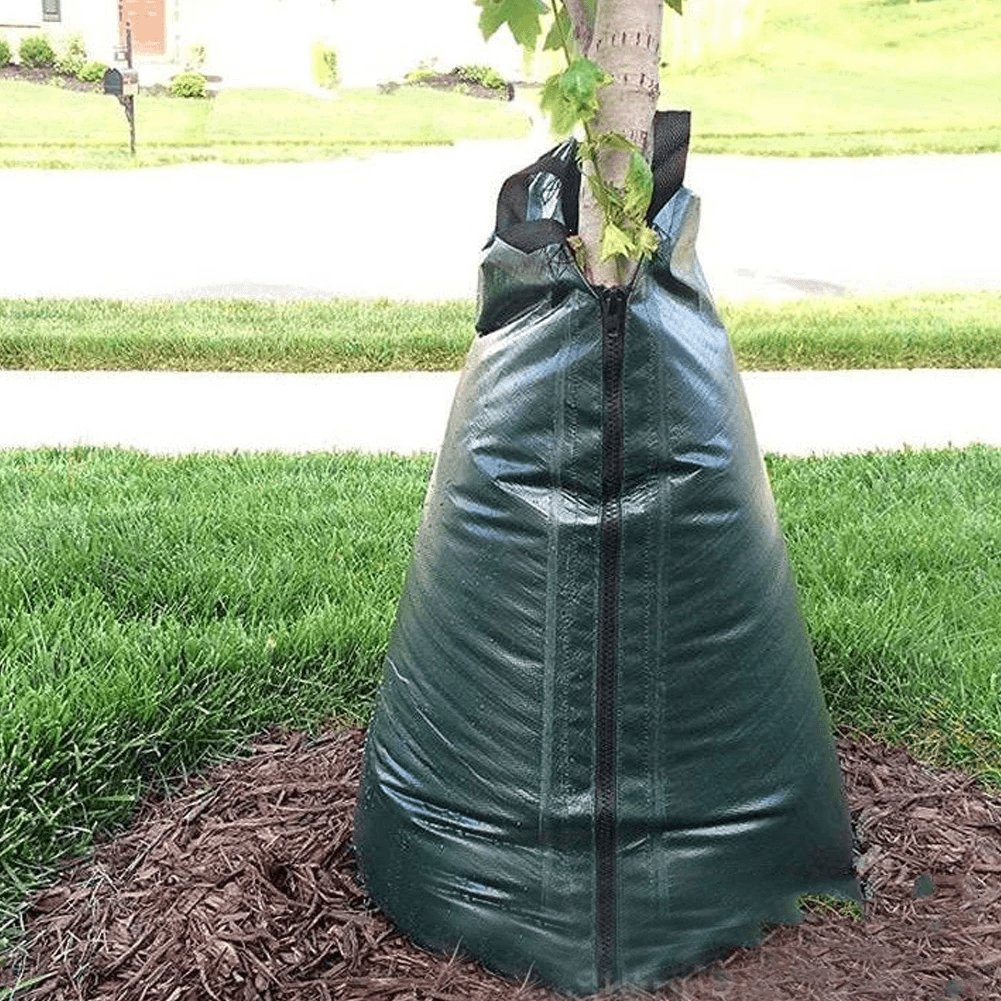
50	10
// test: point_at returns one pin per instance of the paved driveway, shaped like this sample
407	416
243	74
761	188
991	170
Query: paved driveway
411	224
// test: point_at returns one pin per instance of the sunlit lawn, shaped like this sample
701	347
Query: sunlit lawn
156	612
961	330
45	125
853	77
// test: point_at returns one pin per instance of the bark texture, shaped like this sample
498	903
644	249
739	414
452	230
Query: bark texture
625	43
580	23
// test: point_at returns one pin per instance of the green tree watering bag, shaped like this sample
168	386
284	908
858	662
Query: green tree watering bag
600	751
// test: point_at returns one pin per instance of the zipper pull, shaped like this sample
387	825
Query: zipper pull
613	311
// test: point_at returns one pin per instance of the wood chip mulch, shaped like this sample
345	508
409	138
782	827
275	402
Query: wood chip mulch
240	886
52	77
45	74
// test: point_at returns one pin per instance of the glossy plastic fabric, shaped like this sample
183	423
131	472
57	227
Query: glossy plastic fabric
476	820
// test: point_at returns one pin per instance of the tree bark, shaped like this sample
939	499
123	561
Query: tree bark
580	24
625	43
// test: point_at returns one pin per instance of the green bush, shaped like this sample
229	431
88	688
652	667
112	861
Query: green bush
36	52
423	72
92	72
4	53
325	71
74	58
188	85
485	76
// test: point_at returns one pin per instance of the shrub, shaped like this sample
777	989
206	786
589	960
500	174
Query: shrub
485	76
36	52
92	72
188	85
4	53
421	73
73	58
325	71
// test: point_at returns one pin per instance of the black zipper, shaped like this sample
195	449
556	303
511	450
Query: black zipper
613	329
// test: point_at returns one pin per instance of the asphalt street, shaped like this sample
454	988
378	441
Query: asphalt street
410	225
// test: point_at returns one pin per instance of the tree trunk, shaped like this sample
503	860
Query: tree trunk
625	43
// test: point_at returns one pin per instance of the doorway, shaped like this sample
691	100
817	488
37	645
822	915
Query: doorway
148	26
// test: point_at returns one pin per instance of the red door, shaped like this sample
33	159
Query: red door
148	28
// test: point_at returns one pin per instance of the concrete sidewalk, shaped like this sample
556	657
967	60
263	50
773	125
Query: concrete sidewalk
795	413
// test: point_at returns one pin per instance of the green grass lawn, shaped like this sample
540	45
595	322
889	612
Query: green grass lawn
936	330
46	126
853	77
157	612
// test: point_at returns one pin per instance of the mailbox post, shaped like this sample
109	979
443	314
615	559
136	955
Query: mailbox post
124	84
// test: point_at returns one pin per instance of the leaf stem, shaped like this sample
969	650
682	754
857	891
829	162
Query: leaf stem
593	143
569	58
559	28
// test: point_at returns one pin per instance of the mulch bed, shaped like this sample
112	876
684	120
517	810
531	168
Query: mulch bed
47	75
240	886
450	81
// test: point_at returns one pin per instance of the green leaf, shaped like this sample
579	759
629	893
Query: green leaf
647	242
572	96
521	16
615	241
638	188
581	81
675	5
603	195
560	31
553	101
616	140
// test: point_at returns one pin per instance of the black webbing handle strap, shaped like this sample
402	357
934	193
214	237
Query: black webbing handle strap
672	132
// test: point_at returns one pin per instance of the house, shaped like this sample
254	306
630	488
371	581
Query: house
269	42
